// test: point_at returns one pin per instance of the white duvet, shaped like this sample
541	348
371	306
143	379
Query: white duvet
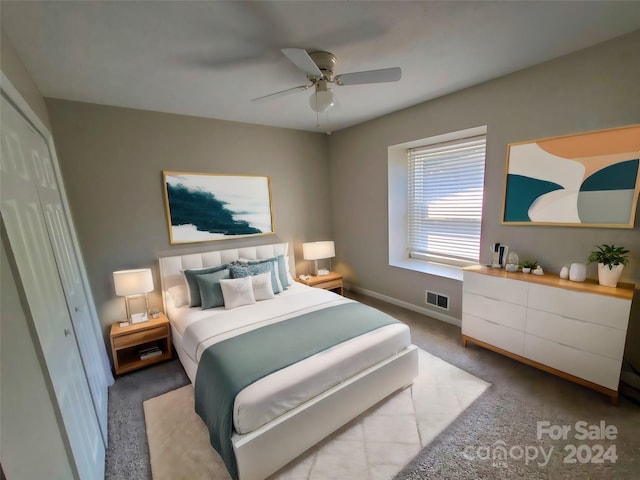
281	391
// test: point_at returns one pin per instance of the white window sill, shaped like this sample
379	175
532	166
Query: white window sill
437	269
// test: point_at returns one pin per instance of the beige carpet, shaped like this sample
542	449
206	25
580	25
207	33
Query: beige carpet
374	446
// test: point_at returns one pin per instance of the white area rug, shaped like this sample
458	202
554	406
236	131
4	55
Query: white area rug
374	446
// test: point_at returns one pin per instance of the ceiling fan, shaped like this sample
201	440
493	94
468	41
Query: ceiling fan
319	69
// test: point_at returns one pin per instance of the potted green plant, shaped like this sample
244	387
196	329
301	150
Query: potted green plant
611	260
527	265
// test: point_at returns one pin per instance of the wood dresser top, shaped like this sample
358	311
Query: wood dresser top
623	290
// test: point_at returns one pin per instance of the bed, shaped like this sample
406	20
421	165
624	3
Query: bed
284	413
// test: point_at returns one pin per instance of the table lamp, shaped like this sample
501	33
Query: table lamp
134	283
318	251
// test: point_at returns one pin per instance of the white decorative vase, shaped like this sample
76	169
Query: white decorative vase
609	277
578	272
564	273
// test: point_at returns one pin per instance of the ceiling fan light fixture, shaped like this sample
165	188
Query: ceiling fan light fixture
319	68
321	100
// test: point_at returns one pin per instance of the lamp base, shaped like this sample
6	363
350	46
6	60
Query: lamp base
322	272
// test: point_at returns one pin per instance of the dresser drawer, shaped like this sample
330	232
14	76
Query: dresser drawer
490	332
138	338
497	311
512	291
588	366
589	337
330	285
591	307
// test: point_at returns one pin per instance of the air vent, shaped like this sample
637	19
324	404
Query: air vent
436	299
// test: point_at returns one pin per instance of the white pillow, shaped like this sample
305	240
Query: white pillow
262	289
178	294
237	292
286	262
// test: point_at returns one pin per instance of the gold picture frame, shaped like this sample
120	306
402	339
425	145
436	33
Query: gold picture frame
204	207
590	179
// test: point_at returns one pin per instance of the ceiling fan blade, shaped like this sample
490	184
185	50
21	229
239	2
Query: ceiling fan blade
370	76
301	59
282	93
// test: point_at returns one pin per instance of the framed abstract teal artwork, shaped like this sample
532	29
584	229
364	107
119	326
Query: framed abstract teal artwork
590	179
202	207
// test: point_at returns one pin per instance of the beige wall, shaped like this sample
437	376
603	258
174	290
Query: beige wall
593	89
112	161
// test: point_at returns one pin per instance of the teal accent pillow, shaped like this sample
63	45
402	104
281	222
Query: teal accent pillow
240	271
210	290
281	269
282	272
192	283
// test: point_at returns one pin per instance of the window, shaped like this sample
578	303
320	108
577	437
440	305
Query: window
444	200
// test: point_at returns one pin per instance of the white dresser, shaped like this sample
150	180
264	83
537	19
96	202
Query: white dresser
573	330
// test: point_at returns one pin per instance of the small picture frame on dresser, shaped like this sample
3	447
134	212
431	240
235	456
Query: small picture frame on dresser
139	318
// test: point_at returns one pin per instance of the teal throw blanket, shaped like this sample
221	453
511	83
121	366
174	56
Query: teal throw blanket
233	364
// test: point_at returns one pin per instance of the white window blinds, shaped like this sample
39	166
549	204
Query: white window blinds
445	200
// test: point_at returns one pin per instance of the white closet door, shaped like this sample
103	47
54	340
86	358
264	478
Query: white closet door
69	270
34	256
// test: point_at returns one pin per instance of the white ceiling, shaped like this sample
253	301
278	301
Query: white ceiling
210	58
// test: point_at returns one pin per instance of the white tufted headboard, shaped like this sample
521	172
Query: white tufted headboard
171	267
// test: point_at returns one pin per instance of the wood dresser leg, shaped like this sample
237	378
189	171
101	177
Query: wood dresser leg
614	399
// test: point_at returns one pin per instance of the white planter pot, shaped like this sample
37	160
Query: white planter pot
609	277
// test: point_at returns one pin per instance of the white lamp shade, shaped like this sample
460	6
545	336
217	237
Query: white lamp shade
318	250
321	100
133	282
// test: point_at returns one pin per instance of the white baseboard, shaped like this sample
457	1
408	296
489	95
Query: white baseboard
409	306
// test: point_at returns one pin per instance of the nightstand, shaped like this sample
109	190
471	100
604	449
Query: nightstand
127	343
333	281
